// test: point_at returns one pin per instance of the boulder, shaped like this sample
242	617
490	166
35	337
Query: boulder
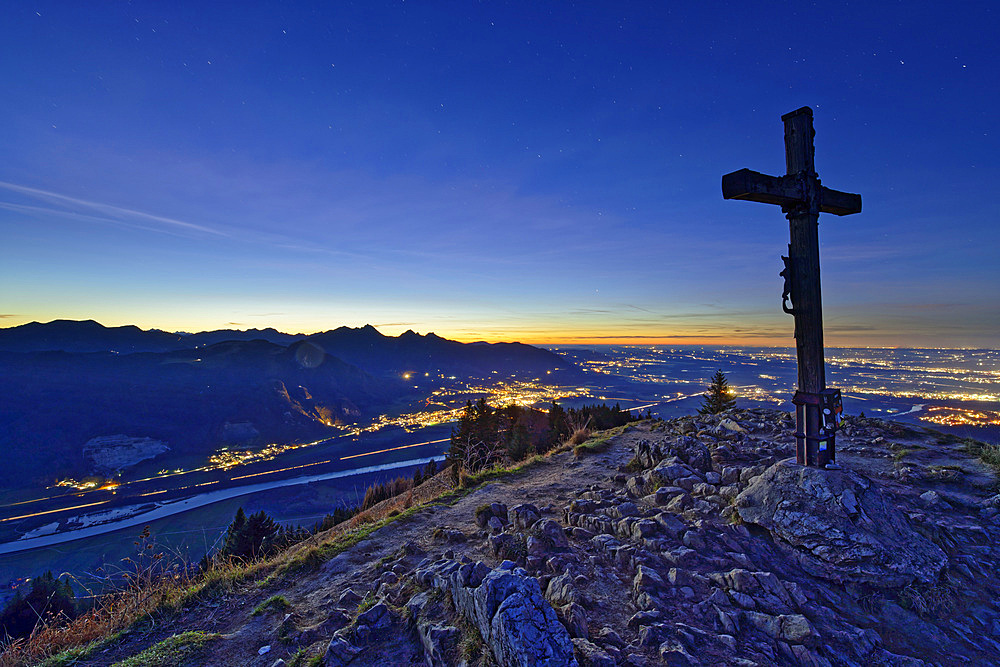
552	535
339	652
841	524
730	425
349	599
664	494
686	448
670	524
575	620
523	516
623	510
524	629
647	581
507	607
561	590
590	655
439	642
495	525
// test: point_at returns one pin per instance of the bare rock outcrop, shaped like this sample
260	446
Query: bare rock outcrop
109	453
841	524
515	620
686	542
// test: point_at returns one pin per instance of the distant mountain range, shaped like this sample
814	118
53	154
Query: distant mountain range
67	382
90	336
364	347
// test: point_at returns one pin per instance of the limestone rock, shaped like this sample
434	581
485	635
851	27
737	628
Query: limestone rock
551	533
811	509
647	581
339	652
590	655
516	622
524	630
377	617
575	620
664	494
730	425
561	590
439	641
349	599
523	516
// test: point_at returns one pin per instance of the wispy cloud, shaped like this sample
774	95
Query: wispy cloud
7	315
84	210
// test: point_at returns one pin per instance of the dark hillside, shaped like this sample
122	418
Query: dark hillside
54	402
91	336
376	353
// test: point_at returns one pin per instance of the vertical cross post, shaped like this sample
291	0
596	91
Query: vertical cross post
802	198
803	251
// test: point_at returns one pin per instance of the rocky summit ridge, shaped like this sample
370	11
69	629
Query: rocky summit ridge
688	542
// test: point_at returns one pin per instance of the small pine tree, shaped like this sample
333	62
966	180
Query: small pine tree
252	536
719	396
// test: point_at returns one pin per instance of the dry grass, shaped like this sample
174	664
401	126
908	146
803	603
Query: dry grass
988	454
141	598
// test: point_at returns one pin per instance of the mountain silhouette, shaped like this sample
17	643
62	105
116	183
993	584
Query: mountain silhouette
66	382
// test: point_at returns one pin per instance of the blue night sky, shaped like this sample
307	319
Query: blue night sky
545	172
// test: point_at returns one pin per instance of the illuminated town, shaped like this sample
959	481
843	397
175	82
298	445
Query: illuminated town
961	417
444	405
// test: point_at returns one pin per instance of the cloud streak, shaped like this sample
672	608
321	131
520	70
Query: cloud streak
116	214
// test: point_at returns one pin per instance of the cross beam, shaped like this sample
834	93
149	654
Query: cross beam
785	191
802	198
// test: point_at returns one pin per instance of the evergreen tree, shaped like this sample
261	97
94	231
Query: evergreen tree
477	440
558	428
340	514
251	536
719	396
519	442
49	599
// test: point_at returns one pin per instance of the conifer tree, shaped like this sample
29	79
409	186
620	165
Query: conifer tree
251	536
558	427
719	396
48	599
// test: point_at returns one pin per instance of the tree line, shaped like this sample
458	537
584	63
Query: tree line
485	436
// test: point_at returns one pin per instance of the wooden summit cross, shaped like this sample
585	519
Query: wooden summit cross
802	198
